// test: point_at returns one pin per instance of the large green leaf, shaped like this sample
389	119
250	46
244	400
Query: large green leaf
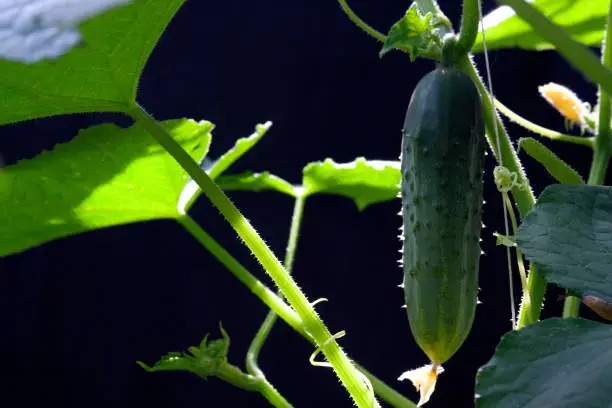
35	30
364	181
583	19
568	236
105	176
560	363
101	75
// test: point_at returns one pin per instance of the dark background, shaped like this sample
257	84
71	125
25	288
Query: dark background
76	314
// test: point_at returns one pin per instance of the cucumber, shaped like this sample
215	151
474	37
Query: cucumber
442	164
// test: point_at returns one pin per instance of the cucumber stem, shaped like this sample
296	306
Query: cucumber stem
260	338
468	32
531	305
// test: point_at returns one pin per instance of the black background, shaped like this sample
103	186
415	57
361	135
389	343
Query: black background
76	314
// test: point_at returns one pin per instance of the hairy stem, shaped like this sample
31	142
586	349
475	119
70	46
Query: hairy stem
268	297
275	303
542	131
470	20
519	256
231	373
601	152
360	23
342	366
531	305
268	323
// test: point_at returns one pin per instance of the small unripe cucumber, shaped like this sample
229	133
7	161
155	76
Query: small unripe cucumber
443	151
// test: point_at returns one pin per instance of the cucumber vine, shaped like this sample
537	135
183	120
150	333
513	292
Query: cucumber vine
563	234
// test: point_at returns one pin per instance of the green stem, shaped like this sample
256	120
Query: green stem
519	256
387	393
531	304
264	331
344	369
236	377
360	23
522	196
571	306
468	32
574	52
601	152
275	303
542	131
268	297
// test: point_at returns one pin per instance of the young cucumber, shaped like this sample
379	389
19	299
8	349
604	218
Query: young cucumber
443	150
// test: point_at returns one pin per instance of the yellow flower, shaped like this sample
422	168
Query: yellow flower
565	101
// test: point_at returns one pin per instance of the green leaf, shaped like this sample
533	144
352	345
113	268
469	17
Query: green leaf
100	76
256	182
365	181
192	190
415	33
105	176
583	19
242	146
561	363
568	236
553	164
45	29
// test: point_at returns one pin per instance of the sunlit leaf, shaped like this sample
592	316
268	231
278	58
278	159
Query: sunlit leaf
35	30
583	19
364	181
105	176
101	75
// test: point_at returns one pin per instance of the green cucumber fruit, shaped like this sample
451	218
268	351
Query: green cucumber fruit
443	152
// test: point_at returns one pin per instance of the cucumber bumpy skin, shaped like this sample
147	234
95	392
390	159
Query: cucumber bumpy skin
442	163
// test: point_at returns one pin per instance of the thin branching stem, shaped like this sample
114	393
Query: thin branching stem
541	130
